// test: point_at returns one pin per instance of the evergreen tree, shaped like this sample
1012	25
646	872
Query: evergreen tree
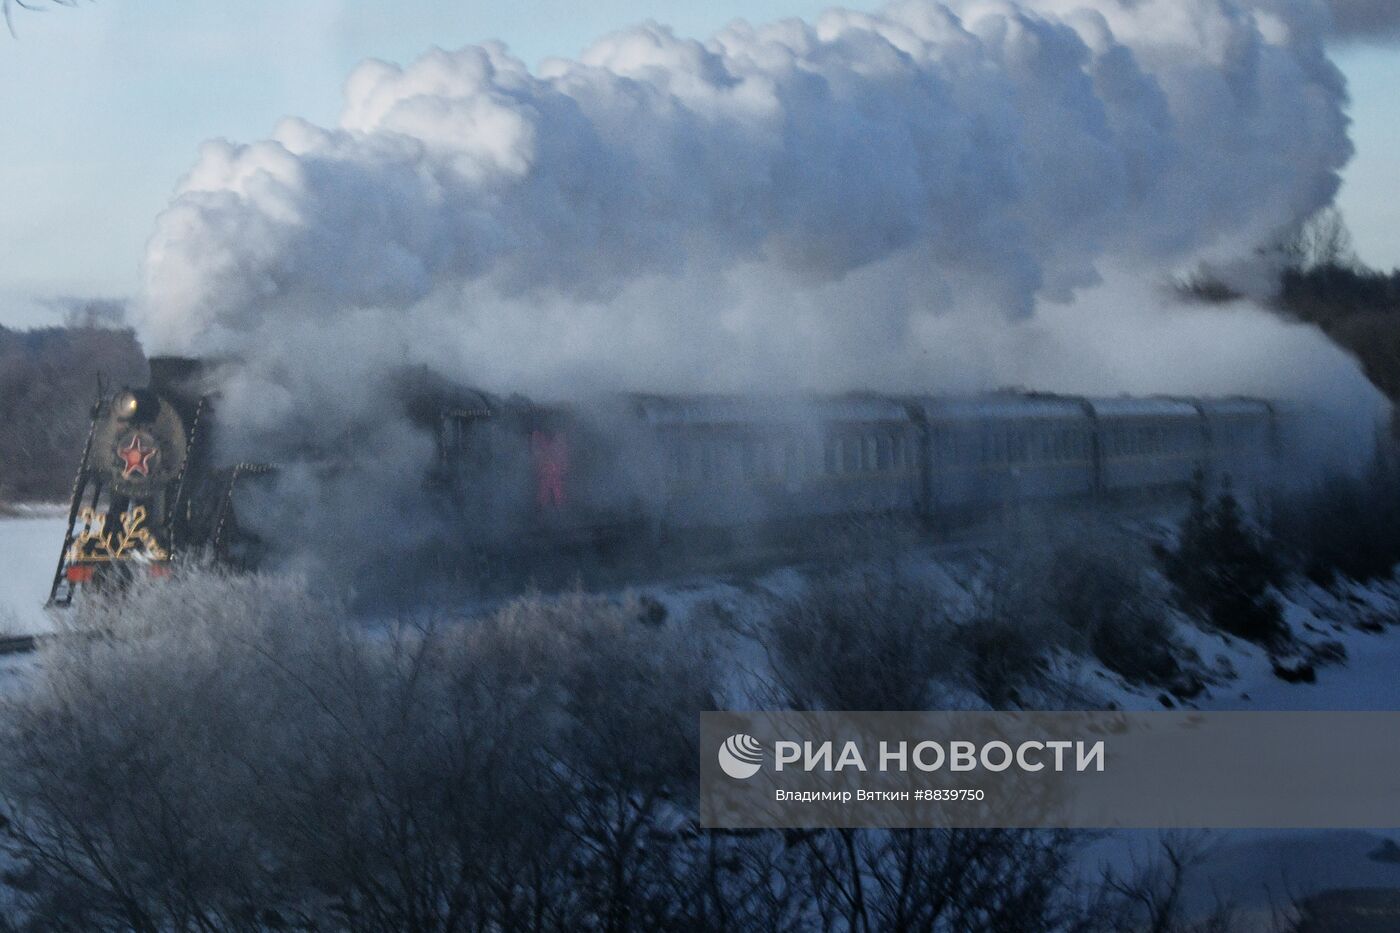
1222	568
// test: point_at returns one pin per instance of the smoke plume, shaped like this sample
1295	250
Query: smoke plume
933	197
1374	20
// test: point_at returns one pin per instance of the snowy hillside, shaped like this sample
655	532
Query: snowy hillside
972	627
29	545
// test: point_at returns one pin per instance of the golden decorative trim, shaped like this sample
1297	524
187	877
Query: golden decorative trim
133	541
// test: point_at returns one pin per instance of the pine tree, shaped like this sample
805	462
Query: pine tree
1222	568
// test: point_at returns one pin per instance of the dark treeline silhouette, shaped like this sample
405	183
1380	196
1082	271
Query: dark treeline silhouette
48	380
1359	308
1322	282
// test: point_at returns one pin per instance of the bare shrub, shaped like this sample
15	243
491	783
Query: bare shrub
215	752
1098	588
865	640
1011	880
229	753
1151	893
1010	629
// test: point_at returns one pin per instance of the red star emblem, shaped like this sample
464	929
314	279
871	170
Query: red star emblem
136	458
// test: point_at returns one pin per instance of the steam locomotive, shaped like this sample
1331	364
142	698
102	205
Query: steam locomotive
148	487
517	475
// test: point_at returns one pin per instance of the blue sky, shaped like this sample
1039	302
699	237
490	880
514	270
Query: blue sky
104	105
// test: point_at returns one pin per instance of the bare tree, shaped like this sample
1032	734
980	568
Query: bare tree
1322	242
7	7
867	639
1152	895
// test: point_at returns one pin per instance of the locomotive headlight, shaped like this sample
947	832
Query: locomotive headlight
127	405
136	405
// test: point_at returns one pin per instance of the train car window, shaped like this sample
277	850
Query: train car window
885	454
850	455
1016	448
869	454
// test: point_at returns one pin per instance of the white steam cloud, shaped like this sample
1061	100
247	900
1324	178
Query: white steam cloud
776	195
930	198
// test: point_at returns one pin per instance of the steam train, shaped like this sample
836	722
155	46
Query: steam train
148	486
517	475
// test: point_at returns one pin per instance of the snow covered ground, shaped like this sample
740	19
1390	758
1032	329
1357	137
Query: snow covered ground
1259	871
29	545
1254	870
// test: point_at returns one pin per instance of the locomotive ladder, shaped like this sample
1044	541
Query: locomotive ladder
191	441
80	482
